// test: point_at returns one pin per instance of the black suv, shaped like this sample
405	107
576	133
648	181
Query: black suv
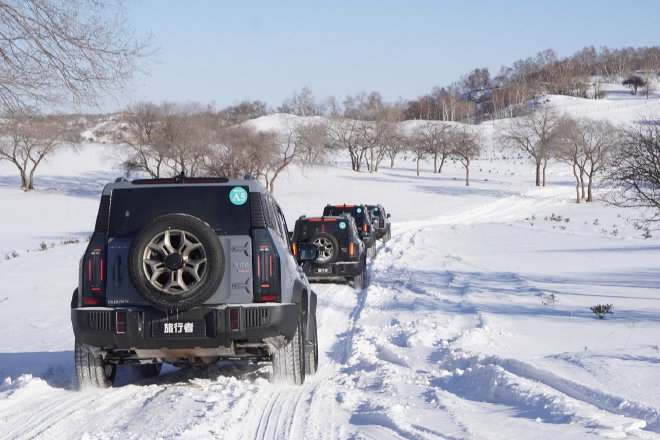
363	220
381	221
341	253
189	271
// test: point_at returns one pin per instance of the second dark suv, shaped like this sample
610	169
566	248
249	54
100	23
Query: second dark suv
189	271
381	221
363	220
341	253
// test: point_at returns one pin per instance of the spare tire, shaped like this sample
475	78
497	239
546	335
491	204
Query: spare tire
328	247
176	262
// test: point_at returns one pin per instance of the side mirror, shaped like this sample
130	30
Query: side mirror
389	215
307	252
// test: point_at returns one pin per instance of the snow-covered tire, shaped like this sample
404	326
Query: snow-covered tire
312	354
359	281
91	369
289	360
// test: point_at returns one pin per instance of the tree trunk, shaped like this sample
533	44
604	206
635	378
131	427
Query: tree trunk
418	166
577	184
31	179
538	172
467	174
442	162
584	196
435	163
590	197
545	164
24	182
391	161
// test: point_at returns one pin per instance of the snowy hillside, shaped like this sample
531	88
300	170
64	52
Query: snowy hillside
475	324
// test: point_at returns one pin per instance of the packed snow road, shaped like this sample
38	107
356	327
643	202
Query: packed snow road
443	344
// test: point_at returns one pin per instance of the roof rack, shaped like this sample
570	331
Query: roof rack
181	178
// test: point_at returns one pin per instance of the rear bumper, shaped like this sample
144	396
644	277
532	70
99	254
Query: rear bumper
335	270
144	327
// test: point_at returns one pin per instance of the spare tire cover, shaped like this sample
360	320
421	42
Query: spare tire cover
176	262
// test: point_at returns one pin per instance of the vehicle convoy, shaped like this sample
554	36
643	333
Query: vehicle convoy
189	271
361	215
341	253
381	221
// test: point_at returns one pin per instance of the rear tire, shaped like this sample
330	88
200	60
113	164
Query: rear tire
358	281
328	247
312	354
92	370
289	361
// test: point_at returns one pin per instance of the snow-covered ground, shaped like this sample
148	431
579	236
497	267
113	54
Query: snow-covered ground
476	322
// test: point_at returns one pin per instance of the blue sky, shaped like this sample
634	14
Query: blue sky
223	52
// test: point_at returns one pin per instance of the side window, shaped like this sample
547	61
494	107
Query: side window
283	226
280	224
272	218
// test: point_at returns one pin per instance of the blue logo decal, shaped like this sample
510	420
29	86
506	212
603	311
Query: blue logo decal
238	196
342	225
359	210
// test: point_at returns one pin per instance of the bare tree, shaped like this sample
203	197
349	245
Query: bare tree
344	133
240	150
600	139
465	148
571	150
303	104
536	135
143	151
28	139
187	133
55	51
167	139
417	148
315	142
394	144
299	140
437	139
635	169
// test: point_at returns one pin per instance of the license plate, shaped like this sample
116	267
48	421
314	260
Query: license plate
323	270
177	328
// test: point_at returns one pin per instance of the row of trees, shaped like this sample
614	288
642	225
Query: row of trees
584	144
480	95
168	139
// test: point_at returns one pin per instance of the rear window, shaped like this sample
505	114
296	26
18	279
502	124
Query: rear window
357	212
307	229
131	209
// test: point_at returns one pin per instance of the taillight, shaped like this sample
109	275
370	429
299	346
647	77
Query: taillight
234	320
351	250
294	249
120	321
93	272
95	269
267	263
381	223
365	228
